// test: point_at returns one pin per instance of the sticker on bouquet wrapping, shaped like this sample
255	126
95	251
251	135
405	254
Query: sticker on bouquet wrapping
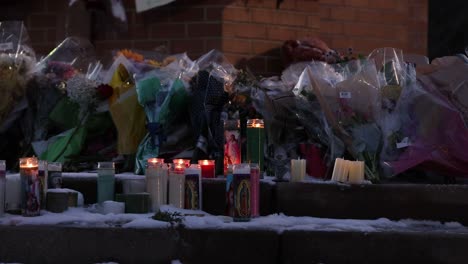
6	46
345	95
404	143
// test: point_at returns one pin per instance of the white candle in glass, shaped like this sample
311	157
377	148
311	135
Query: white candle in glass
13	192
156	182
177	186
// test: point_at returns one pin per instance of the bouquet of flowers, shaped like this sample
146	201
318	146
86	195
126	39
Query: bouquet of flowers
349	96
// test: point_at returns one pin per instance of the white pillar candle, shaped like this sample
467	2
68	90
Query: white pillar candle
298	170
339	170
156	183
13	192
177	186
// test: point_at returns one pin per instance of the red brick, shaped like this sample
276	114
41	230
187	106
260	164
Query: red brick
271	48
277	17
113	44
343	13
244	30
213	44
332	2
236	14
214	13
37	35
309	6
357	3
149	45
383	4
192	46
157	15
237	46
325	12
187	14
313	22
197	30
281	33
137	32
304	33
271	4
419	13
43	21
235	58
332	27
159	31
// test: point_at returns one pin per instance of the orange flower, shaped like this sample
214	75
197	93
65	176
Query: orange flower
131	55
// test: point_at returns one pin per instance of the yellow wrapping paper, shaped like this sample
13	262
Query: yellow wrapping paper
128	115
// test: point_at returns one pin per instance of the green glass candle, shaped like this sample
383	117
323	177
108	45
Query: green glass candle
255	142
105	181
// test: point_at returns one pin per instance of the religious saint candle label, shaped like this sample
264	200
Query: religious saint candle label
192	192
242	197
30	192
232	144
345	95
230	194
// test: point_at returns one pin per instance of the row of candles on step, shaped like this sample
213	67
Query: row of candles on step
27	194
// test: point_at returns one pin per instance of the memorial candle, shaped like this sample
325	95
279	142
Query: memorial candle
177	185
105	182
298	170
13	194
193	188
54	170
156	182
2	186
241	191
255	142
43	185
207	168
255	189
30	190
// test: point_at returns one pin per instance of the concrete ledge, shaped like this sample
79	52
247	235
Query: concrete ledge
393	201
375	247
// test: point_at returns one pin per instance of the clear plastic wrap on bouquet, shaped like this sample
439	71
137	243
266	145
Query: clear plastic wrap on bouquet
17	61
349	96
163	95
209	90
434	135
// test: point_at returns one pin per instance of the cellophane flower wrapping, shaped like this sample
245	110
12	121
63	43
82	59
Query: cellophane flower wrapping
209	93
349	96
163	93
431	121
68	102
17	61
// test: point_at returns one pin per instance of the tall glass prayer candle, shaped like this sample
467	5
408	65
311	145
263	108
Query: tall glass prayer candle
13	194
193	188
255	142
185	162
43	177
242	192
30	190
298	170
105	181
229	191
177	185
232	142
255	189
207	168
2	186
55	175
156	182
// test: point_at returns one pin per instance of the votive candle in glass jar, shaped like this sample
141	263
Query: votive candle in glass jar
43	184
2	186
255	189
30	187
105	181
177	185
207	168
255	142
242	194
156	182
232	142
55	175
193	187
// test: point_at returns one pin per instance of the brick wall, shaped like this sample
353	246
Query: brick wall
249	32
